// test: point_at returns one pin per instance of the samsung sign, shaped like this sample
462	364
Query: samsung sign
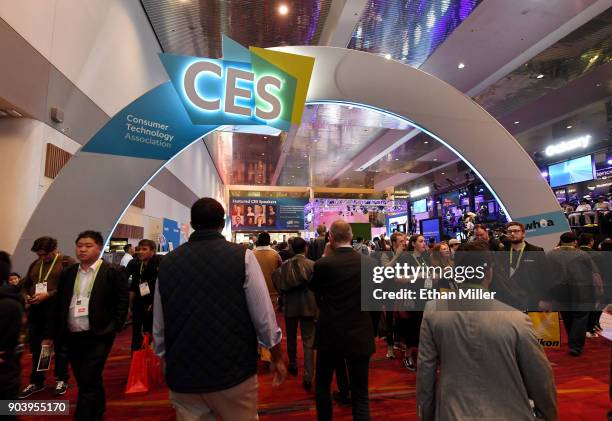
568	145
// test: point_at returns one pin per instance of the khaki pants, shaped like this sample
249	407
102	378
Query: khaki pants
238	403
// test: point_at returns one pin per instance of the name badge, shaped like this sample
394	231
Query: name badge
41	288
144	289
81	307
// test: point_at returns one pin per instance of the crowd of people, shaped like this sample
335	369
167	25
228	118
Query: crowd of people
211	308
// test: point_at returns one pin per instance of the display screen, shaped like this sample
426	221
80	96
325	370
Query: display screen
431	228
267	214
572	171
419	206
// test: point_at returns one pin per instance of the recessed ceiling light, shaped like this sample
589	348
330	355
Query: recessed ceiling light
299	168
442	173
262	153
569	126
283	9
315	140
397	159
435	159
388	56
460	65
540	76
517	122
426	142
293	176
598	84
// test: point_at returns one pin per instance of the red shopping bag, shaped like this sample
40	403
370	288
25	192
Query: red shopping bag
145	369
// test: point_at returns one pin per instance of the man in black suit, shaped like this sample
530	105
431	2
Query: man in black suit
343	332
522	278
92	303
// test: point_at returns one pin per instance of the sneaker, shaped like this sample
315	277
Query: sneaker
591	335
409	363
390	353
30	390
60	388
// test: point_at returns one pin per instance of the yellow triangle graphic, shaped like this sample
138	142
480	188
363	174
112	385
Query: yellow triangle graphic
300	67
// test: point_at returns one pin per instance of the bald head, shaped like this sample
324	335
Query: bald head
340	233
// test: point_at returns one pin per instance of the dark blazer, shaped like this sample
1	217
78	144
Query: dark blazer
342	327
108	303
530	283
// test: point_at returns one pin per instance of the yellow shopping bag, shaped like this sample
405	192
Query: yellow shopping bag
547	329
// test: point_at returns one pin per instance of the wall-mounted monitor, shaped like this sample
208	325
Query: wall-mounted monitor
419	206
431	227
572	171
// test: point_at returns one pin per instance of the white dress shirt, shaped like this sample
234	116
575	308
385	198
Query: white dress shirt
258	301
86	278
127	257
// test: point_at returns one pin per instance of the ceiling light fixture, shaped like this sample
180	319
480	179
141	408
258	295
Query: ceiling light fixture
397	159
435	159
517	122
569	126
540	76
426	142
283	9
460	65
388	56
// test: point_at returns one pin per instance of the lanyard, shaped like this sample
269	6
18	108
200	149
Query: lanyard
40	278
141	268
77	286
419	259
520	256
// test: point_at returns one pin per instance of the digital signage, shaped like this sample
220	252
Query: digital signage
572	171
267	214
419	206
431	227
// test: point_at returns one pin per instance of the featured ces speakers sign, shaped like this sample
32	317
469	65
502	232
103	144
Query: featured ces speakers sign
247	87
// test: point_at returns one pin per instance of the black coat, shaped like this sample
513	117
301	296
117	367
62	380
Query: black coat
108	303
531	282
342	327
10	324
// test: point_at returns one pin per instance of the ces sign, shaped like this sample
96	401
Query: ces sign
261	89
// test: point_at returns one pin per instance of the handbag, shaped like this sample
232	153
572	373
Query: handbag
145	369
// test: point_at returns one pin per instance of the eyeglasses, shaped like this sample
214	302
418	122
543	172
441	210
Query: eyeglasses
513	231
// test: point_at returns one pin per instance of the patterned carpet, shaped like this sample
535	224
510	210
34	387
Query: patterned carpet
582	387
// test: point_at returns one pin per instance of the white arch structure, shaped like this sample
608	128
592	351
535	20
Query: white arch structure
94	189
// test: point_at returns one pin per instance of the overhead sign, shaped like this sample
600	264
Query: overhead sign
568	145
246	87
267	214
419	192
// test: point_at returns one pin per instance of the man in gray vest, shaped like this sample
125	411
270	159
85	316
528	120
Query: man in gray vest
211	307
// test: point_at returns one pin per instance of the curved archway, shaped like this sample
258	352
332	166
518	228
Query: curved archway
79	198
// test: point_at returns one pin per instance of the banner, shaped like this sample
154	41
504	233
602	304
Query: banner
546	327
267	214
172	235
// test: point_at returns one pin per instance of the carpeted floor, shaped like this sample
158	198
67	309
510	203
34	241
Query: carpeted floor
582	387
